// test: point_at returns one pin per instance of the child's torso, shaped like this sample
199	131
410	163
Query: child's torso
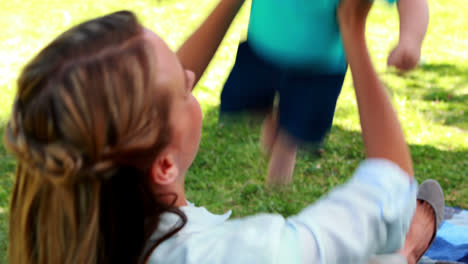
297	33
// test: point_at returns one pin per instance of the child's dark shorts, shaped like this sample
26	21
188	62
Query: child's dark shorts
307	99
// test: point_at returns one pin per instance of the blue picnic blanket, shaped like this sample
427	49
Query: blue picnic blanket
451	243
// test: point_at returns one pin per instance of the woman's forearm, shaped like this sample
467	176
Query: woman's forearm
196	53
381	131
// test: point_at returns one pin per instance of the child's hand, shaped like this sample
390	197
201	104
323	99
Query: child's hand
405	56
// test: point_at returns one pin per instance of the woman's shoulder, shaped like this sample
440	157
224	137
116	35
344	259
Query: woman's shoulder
210	238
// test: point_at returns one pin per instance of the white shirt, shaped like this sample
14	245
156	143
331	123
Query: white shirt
368	215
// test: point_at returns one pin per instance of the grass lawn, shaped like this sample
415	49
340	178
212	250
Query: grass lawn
229	170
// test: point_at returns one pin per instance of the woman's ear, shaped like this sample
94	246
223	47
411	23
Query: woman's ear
164	170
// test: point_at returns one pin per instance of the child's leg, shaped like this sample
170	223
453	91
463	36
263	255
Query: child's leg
250	87
306	109
269	131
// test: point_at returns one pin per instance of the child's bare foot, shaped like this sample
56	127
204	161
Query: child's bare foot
420	234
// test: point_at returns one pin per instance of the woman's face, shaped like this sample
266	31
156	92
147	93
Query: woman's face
185	117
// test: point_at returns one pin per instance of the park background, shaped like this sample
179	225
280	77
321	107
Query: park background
229	171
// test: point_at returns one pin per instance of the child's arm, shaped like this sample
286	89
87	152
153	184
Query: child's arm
381	131
414	19
196	53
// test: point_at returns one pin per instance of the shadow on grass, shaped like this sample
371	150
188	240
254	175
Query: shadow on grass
450	168
445	88
457	79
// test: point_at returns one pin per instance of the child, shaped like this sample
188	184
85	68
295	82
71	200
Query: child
104	128
294	49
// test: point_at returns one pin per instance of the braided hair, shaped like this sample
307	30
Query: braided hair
86	124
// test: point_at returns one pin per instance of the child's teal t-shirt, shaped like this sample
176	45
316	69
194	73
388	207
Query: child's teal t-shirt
300	34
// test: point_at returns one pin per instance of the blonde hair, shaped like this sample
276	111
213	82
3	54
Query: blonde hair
86	124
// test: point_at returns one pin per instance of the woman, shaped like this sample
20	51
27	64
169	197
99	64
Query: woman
105	126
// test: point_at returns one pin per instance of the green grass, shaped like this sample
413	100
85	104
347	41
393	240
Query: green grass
229	170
